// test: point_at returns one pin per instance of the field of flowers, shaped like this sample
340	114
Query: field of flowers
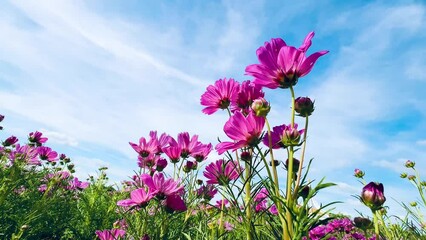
178	192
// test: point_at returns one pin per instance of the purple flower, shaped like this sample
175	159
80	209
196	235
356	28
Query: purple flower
187	144
222	172
173	153
46	153
245	97
161	164
281	65
207	192
113	234
160	187
77	184
10	141
202	152
138	197
36	138
373	195
220	95
245	131
146	148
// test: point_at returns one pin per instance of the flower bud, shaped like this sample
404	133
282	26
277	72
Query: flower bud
246	156
304	191
358	173
261	107
363	223
62	156
276	162
413	204
373	195
403	175
189	166
291	136
409	164
411	177
304	106
296	164
199	181
1	117
161	164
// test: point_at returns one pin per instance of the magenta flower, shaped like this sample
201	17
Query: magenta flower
160	187
223	203
175	203
77	184
26	153
162	141
145	148
245	131
201	153
113	234
281	65
46	153
207	192
245	97
222	172
161	164
220	95
138	197
10	141
148	162
187	145
173	153
36	138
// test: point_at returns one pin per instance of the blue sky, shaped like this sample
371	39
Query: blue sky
94	75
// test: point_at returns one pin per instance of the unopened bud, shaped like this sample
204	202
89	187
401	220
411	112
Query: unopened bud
261	107
246	156
373	195
411	177
413	204
358	173
304	106
403	175
409	164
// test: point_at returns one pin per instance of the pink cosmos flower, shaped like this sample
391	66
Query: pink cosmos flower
222	203
281	65
207	192
245	131
245	97
138	197
175	203
113	234
173	153
27	153
222	172
160	187
187	145
220	95
162	141
36	138
46	153
202	152
10	141
77	184
145	148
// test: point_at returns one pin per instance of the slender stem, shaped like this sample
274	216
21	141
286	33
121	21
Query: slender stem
222	207
302	158
271	153
376	225
289	198
262	156
288	231
292	106
248	197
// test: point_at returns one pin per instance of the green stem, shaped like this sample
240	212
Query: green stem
289	199
222	207
302	158
271	153
292	106
248	197
376	225
262	156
